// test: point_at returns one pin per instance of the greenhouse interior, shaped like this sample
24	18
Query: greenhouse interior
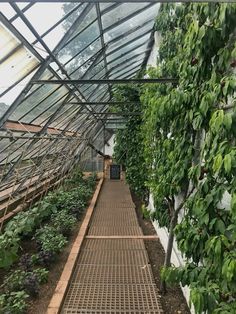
117	157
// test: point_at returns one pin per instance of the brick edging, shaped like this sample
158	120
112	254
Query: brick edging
63	283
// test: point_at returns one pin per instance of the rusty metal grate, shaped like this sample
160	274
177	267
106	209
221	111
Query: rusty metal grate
137	257
113	275
119	297
75	311
113	244
114	230
110	274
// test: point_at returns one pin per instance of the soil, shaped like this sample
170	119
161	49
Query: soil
173	302
40	305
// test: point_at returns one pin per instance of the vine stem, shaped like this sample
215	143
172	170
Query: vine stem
173	223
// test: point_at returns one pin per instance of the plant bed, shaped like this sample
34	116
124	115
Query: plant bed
173	302
40	305
36	243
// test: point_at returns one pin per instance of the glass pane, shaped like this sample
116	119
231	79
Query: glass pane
45	10
139	52
77	45
89	18
47	109
142	41
18	65
39	101
7	42
139	19
147	27
7	10
120	12
123	70
59	31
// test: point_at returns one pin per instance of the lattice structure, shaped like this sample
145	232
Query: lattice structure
45	128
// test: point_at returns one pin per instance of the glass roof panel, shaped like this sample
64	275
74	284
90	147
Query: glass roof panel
40	100
7	42
143	41
139	19
24	30
89	18
7	10
46	109
77	45
105	5
35	13
125	28
16	63
124	69
8	98
120	12
116	43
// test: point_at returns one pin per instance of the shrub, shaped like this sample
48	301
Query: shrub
13	302
49	239
63	222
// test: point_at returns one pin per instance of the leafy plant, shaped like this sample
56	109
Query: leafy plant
49	239
31	284
129	149
41	274
25	280
13	302
14	281
26	262
189	147
63	222
44	258
9	246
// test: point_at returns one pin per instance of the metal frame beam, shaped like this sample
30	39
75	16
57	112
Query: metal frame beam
113	103
118	1
45	63
108	81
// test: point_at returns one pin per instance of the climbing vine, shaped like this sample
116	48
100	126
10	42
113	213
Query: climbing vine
189	148
129	141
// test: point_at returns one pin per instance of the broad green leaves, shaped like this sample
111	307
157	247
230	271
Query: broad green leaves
202	53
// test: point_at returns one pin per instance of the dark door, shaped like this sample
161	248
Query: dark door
115	172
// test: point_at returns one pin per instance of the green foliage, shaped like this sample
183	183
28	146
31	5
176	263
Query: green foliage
63	222
71	201
18	279
9	245
145	212
128	148
41	274
190	139
49	239
14	281
13	302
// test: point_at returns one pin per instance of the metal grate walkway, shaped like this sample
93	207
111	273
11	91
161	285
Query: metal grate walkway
113	275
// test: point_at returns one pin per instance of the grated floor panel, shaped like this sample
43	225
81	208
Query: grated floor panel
105	257
113	275
113	244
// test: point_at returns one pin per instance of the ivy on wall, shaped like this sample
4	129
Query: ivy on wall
189	147
128	149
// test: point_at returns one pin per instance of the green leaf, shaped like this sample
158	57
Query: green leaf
227	163
220	226
217	163
228	121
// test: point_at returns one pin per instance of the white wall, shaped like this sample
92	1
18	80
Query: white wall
109	149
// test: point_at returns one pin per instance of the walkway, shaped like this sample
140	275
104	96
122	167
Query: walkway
113	275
